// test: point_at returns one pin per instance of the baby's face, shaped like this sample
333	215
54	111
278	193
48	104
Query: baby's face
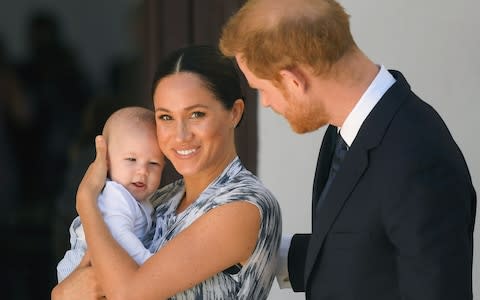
135	161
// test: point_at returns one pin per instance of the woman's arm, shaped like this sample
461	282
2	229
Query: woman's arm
219	239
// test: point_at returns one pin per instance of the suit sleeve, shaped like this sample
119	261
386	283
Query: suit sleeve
296	261
430	225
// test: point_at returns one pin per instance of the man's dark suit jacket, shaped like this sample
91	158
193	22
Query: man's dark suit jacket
397	222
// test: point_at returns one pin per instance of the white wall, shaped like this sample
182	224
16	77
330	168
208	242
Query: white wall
436	45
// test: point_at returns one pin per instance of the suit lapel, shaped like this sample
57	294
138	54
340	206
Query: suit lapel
354	165
347	177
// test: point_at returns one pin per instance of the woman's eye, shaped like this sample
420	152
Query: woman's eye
165	117
197	114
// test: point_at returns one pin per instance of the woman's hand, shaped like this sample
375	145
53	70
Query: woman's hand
94	179
81	284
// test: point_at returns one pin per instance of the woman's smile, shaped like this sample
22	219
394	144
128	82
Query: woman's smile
186	152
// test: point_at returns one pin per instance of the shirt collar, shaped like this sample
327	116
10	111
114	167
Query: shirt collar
379	86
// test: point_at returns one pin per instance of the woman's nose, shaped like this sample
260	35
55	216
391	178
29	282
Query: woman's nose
183	132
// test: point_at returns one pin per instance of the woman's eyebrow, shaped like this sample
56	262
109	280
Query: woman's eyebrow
185	109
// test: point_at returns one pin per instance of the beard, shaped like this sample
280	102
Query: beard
302	117
305	125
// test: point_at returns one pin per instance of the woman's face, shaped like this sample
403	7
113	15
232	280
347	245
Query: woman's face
194	130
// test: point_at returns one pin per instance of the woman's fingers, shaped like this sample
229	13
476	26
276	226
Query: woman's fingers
95	176
85	262
81	284
100	164
101	150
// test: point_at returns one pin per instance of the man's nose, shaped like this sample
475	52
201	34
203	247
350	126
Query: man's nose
264	101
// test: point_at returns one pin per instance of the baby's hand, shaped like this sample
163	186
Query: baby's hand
94	179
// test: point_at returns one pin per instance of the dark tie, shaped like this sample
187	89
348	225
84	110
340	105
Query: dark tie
341	149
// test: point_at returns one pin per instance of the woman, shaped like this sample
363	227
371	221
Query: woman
218	228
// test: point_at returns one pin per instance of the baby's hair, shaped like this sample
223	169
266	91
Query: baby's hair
131	115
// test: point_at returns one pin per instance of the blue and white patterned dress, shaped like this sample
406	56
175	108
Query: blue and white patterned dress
236	183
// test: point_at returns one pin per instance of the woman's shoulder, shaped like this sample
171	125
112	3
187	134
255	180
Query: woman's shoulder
245	179
236	175
245	186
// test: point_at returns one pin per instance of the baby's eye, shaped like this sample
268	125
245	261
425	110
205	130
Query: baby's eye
154	163
165	117
131	159
197	114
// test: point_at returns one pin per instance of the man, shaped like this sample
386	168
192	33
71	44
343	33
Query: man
393	205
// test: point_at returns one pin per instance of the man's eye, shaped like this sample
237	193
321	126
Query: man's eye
165	117
197	114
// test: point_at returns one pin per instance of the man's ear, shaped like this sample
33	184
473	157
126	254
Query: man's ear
294	79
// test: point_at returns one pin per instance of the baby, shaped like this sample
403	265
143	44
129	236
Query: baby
135	165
